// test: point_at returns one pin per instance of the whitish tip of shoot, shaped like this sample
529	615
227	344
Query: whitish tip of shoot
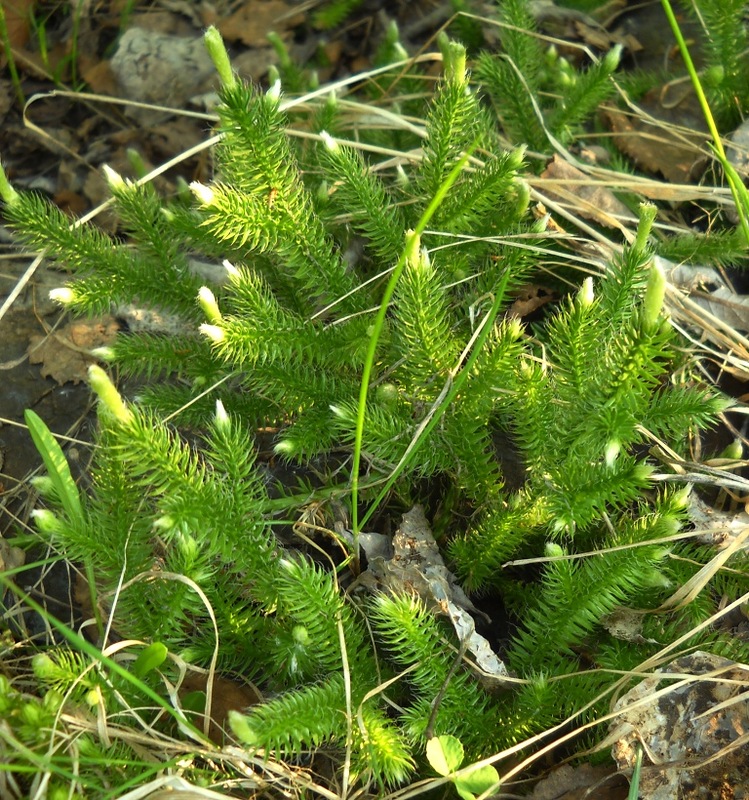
387	392
329	141
642	472
613	448
136	162
164	523
338	411
515	328
566	80
222	418
208	303
714	76
44	666
516	157
46	521
272	75
300	634
63	295
647	213
285	448
454	59
274	92
241	728
734	450
681	497
113	178
612	58
424	260
586	295
43	484
104	353
553	550
399	52
204	193
213	332
231	270
413	244
654	577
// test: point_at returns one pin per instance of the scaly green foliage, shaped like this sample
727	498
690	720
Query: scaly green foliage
183	533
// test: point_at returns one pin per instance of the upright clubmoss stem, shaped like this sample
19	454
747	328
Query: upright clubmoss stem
217	51
655	294
7	192
108	394
648	213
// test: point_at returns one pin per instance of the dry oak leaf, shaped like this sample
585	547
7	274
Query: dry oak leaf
666	138
65	355
228	695
252	21
571	187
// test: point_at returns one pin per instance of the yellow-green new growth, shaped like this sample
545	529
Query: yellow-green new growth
108	394
217	51
7	192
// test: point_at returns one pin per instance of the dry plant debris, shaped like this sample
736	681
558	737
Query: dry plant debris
65	355
411	563
693	729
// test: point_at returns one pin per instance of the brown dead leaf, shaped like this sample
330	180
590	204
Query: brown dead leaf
72	203
572	24
570	186
64	354
709	290
228	695
626	624
18	14
98	75
95	333
529	299
7	96
251	22
658	146
10	557
715	527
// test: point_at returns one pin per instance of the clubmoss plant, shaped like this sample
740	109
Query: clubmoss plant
365	317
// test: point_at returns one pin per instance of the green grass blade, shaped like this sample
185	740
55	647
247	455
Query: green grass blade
56	464
738	190
377	331
94	653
